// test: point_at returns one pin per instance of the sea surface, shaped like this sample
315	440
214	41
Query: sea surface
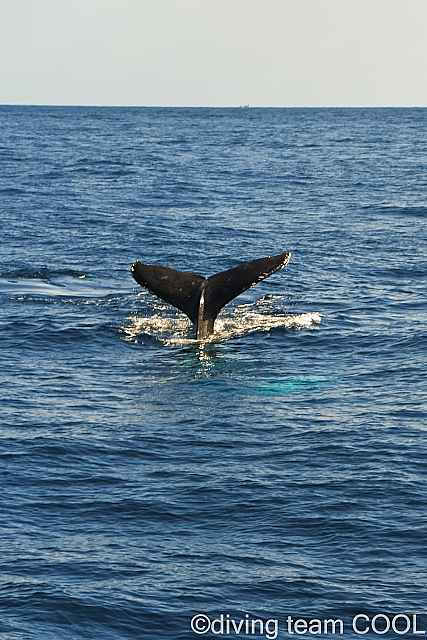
277	471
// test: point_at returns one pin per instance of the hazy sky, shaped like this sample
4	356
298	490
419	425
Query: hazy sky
214	52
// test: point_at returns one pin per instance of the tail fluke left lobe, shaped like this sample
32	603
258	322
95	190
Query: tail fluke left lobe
178	288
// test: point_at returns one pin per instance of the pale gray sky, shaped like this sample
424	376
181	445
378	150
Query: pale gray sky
214	52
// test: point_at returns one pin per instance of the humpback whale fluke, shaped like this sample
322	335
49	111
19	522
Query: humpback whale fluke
201	299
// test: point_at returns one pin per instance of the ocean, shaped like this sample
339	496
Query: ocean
270	482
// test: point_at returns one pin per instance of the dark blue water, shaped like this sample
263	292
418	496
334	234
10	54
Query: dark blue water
277	470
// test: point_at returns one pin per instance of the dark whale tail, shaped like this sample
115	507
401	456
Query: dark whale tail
201	299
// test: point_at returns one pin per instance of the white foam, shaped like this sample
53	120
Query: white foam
232	323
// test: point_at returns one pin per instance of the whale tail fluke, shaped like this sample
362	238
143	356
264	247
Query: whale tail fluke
201	299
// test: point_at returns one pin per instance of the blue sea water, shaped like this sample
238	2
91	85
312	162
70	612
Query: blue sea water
278	469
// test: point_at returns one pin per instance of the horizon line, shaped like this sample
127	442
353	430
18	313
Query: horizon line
241	106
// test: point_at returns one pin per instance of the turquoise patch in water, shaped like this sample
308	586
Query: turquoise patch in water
294	384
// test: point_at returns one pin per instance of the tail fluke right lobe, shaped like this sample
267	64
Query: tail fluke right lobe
226	285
